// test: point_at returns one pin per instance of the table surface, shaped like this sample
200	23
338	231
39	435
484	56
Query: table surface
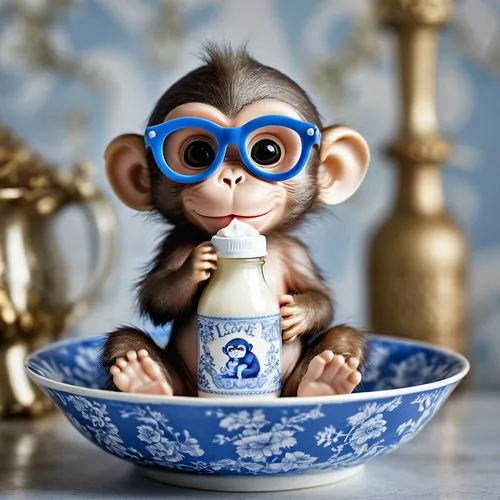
456	456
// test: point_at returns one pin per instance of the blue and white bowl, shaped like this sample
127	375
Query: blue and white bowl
248	444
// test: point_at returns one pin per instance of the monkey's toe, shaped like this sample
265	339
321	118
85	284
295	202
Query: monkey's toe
131	356
142	353
353	362
336	368
351	382
121	363
151	369
120	379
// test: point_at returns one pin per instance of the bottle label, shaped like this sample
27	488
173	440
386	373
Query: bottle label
239	356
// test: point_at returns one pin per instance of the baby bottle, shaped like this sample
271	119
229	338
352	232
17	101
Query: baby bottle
239	322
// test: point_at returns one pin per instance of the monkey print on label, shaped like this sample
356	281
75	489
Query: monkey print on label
242	363
246	362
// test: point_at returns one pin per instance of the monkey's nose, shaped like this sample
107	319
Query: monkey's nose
232	175
232	181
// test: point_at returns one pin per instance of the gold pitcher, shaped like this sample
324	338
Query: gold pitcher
34	305
418	256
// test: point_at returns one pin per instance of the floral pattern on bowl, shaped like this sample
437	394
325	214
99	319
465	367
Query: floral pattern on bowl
404	384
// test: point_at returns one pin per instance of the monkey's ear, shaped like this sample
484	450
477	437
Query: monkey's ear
250	347
344	157
127	171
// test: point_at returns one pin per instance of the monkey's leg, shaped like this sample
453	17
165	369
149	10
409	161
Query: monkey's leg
330	365
136	364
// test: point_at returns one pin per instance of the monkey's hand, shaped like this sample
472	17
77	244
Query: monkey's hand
203	261
294	314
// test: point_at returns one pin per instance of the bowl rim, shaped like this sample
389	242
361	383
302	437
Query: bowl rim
248	400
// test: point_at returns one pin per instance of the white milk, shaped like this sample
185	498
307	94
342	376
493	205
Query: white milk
239	321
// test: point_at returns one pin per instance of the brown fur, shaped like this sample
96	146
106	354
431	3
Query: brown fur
229	80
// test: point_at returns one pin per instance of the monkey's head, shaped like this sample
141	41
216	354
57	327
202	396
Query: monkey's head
248	180
237	348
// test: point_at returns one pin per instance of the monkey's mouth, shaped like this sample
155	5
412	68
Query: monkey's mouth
214	223
230	217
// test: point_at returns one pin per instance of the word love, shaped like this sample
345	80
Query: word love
223	329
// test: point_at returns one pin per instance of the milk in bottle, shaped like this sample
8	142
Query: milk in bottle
239	332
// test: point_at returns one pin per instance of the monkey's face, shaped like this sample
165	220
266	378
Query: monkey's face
232	191
237	351
332	173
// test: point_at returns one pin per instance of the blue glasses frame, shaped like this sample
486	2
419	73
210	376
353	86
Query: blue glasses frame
156	135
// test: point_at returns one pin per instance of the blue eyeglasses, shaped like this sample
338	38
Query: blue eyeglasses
272	147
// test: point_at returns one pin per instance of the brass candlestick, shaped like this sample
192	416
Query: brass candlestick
418	255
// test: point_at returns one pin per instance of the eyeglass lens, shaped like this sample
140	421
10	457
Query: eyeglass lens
189	151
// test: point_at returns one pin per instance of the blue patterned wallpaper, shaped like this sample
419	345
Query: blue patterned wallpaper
133	57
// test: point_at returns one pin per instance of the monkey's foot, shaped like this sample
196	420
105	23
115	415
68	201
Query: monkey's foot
137	372
329	374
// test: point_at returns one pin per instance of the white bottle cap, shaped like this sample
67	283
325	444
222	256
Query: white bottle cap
239	240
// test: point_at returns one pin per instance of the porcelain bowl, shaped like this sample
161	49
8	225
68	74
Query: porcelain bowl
251	444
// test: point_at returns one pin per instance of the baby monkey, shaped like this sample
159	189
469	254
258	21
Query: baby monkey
183	179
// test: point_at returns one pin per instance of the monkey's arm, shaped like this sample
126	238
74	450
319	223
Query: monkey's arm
308	307
167	291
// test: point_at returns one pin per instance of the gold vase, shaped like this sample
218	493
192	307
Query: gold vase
34	305
417	259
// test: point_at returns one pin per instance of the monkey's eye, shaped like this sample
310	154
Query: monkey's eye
266	152
199	154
